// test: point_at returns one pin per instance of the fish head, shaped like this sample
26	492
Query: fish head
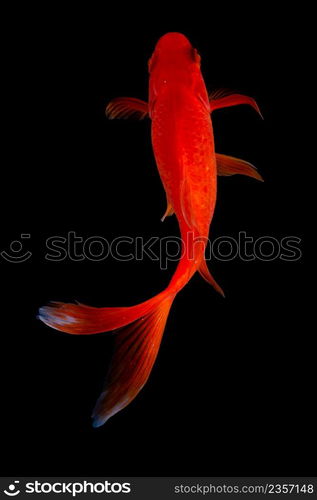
174	61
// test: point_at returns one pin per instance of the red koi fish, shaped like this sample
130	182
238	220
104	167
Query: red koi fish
182	137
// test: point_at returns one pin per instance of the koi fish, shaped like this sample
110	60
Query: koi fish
182	137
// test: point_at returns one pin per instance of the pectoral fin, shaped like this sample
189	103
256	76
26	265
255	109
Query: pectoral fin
223	99
127	107
228	165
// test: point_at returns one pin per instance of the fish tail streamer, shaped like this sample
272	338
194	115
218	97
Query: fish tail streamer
139	330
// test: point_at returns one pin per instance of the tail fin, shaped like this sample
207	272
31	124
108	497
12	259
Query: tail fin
79	319
136	345
136	348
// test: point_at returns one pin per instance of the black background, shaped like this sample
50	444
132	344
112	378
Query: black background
231	392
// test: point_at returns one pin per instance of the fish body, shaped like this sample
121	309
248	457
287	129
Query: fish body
182	137
183	144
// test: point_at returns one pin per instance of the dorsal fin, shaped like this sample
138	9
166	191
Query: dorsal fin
186	203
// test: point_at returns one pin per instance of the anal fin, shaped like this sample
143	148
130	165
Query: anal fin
205	273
